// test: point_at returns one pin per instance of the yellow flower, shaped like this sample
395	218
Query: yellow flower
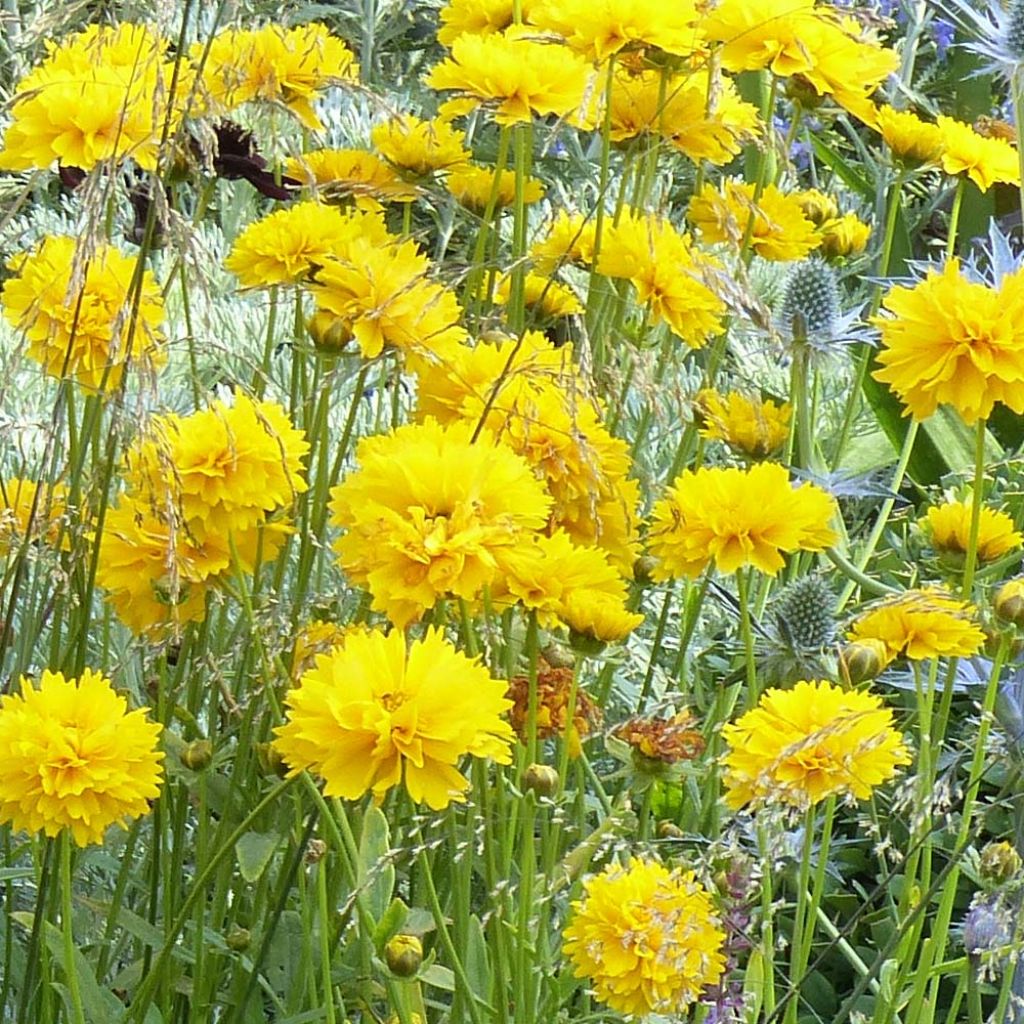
319	636
76	311
705	126
950	528
430	514
371	715
755	427
477	17
948	340
660	264
598	29
763	34
815	740
75	757
222	468
30	510
844	236
100	95
910	140
737	517
985	161
288	246
780	230
546	298
569	240
384	297
356	174
647	938
522	76
922	624
472	187
276	65
420	147
817	206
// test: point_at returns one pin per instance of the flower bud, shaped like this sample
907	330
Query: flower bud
558	656
238	939
541	779
643	567
404	955
863	659
999	864
197	755
271	761
670	830
330	333
1009	602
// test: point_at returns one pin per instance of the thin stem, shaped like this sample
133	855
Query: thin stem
68	928
971	558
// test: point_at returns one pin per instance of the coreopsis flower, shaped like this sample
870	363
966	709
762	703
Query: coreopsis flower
753	426
473	187
950	340
554	693
430	513
99	96
803	744
385	297
701	117
545	298
763	34
531	398
599	29
570	239
667	739
844	236
779	229
80	313
922	624
660	263
1008	603
30	511
949	526
984	160
319	636
913	142
420	147
521	76
737	517
75	757
288	246
223	468
817	206
372	714
351	174
477	17
274	64
647	938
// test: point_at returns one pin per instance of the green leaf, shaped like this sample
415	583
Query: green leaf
437	976
389	925
254	851
13	874
376	873
477	961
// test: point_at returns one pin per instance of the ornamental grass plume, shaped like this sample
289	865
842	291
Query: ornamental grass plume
951	340
736	517
372	714
647	938
803	744
779	228
431	513
75	757
669	278
76	311
949	528
921	624
519	77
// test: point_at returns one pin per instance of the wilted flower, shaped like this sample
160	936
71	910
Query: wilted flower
658	738
554	693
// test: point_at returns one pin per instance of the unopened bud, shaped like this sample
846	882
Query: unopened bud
197	755
670	830
643	567
541	779
1000	863
1009	602
864	659
404	955
270	759
238	939
330	333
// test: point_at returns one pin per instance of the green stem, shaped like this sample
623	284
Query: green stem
747	635
971	558
954	217
68	928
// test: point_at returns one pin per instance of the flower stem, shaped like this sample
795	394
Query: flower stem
971	558
954	217
747	635
68	928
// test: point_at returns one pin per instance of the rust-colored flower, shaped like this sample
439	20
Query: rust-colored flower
669	740
554	693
